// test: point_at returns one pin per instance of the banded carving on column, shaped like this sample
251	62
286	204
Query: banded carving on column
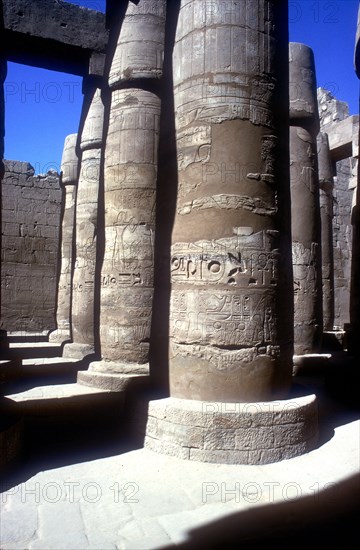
68	181
227	244
140	48
326	184
305	206
83	282
131	155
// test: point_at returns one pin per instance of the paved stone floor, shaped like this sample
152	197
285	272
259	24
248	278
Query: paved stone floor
142	500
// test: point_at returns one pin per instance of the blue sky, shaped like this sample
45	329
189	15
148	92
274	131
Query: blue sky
42	107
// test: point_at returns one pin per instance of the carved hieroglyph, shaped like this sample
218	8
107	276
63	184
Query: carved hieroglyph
326	184
227	247
131	154
69	179
305	207
83	282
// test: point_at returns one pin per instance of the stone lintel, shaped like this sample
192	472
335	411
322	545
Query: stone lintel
53	35
344	138
232	433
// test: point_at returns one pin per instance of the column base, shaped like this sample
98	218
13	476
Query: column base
232	433
111	375
310	363
4	342
11	436
74	350
60	336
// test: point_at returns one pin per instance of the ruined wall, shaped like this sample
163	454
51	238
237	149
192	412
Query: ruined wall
30	234
331	111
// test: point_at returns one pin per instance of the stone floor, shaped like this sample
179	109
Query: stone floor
137	499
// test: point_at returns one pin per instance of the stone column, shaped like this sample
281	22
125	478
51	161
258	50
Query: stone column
69	180
130	173
326	184
231	320
83	281
354	335
225	342
11	424
305	205
3	70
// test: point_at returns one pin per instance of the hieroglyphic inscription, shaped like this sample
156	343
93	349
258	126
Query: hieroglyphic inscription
224	290
305	265
241	261
222	318
229	202
127	275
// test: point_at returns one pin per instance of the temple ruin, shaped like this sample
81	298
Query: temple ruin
196	259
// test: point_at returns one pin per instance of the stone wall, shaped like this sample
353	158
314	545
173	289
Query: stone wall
31	208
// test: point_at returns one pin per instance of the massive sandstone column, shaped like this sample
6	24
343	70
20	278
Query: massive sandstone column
3	70
355	265
83	281
326	184
228	252
231	316
69	180
130	173
305	206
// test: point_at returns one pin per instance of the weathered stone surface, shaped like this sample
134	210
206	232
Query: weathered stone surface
3	68
83	281
306	237
355	275
130	176
343	137
333	113
305	205
92	133
302	81
331	109
232	433
227	244
326	184
69	179
140	49
56	34
69	161
127	272
31	208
